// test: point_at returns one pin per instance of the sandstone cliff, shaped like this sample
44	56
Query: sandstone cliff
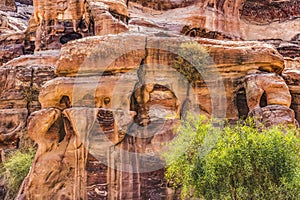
100	85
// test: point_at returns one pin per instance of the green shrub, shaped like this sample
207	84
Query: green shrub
234	162
16	168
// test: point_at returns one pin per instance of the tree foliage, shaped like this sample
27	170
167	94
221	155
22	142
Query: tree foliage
212	161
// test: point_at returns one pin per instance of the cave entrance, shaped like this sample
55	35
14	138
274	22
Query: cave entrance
263	100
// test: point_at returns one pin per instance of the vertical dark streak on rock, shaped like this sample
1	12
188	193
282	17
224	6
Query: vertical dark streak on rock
30	91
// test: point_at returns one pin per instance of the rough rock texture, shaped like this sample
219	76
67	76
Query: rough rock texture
62	21
12	22
272	85
12	36
267	19
123	74
264	12
11	46
291	76
289	48
110	17
117	99
217	20
25	2
232	61
12	123
8	5
20	82
196	18
55	19
271	92
274	115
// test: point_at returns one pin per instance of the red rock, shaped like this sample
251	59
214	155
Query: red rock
12	123
291	76
8	5
273	115
102	123
274	87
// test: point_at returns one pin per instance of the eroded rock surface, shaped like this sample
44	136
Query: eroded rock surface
273	115
20	83
62	21
271	90
118	98
231	61
291	76
290	48
263	12
123	74
12	123
12	36
8	5
274	87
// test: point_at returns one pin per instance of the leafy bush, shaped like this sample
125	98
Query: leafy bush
16	168
234	162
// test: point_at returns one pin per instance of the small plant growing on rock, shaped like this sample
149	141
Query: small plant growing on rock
234	162
191	60
30	94
16	168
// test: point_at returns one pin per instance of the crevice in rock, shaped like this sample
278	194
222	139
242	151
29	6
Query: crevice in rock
241	104
139	105
186	103
119	16
204	33
263	100
56	127
68	129
69	37
29	101
65	102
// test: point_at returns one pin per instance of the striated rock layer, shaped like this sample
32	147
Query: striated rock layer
263	12
109	80
291	76
8	5
20	82
116	100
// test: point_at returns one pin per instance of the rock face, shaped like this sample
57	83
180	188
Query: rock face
25	2
12	36
267	19
263	12
117	99
291	76
213	17
109	80
20	83
58	22
11	46
271	90
289	48
8	5
272	85
62	21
